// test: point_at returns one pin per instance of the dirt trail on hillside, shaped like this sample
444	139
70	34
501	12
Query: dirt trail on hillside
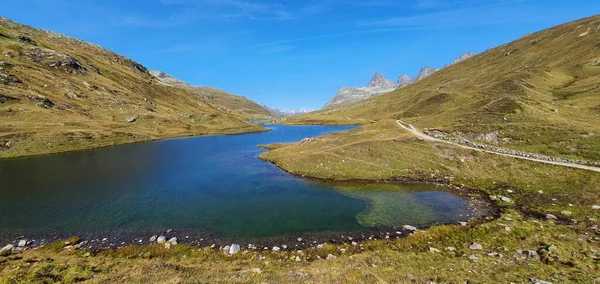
410	128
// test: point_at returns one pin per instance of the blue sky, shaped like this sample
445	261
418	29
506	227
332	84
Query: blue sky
294	53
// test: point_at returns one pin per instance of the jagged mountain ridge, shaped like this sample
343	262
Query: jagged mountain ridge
380	85
280	113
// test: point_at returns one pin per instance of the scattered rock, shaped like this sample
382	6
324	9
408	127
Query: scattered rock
451	249
26	40
235	248
173	241
505	199
432	249
132	119
596	207
551	217
72	96
22	243
153	238
299	239
537	281
330	256
475	246
298	259
276	249
473	257
566	213
167	246
161	239
6	250
531	253
462	223
409	228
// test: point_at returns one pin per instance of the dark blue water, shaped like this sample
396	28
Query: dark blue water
211	184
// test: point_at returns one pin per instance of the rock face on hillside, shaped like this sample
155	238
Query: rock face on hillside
379	85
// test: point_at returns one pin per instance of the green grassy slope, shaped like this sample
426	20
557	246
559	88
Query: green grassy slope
541	93
61	94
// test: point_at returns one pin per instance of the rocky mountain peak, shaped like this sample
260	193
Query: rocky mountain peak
404	80
379	81
463	57
424	73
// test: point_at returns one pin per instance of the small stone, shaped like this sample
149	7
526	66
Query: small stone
299	239
173	241
596	207
153	238
161	239
462	223
473	257
507	229
72	96
22	243
531	253
409	228
88	254
475	246
537	281
167	245
320	246
284	246
551	217
354	243
234	249
451	249
132	119
541	192
6	250
298	259
331	256
566	213
505	199
276	249
434	250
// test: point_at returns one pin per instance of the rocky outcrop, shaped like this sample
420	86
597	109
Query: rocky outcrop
54	59
379	85
424	73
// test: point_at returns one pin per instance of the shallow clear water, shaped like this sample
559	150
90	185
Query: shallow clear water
211	184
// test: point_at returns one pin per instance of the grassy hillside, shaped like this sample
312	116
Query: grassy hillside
225	102
540	93
61	94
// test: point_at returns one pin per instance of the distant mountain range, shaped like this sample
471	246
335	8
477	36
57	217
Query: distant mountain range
286	112
380	85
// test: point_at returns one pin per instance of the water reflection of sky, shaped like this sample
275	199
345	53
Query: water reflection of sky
212	183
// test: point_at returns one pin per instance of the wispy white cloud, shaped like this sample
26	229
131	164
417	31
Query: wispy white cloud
477	14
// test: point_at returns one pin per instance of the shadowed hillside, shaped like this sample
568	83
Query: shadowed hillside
59	94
